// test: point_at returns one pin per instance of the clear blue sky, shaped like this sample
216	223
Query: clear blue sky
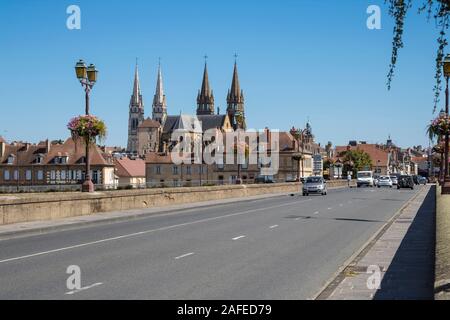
297	59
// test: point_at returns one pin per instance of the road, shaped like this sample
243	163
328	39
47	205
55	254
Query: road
283	247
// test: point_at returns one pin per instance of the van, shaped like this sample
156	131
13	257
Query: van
365	178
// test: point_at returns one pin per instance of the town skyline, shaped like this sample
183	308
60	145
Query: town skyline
283	88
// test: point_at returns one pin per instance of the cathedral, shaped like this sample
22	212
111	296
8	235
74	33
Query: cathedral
153	134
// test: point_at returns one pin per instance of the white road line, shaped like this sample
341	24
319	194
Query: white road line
237	238
317	212
148	231
84	288
184	255
274	226
330	208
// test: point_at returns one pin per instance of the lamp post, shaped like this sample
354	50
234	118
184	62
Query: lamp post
87	77
446	185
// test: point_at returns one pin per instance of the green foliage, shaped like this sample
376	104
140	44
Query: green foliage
355	160
440	10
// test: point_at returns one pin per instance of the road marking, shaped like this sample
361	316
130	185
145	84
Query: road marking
237	238
297	219
330	208
149	231
84	288
274	226
317	212
184	255
341	205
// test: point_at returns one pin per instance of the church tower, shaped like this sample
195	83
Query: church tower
159	105
235	103
205	97
136	114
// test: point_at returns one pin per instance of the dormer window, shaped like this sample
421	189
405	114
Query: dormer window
39	159
10	159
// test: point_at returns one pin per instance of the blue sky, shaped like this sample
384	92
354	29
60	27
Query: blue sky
298	59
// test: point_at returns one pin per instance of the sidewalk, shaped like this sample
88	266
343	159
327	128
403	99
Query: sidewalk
404	254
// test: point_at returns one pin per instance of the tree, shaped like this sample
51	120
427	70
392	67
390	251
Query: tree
440	10
355	160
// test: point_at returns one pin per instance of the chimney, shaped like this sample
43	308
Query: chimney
48	144
2	148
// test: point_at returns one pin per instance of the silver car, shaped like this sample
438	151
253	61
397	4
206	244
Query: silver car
316	185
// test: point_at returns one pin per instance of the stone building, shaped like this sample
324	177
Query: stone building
46	164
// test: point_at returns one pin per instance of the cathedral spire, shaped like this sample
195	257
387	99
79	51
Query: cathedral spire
159	100
205	98
136	113
136	97
235	101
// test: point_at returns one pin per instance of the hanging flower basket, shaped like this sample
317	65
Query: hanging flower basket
87	128
440	125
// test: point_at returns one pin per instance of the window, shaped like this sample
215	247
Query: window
40	175
16	175
188	170
63	175
52	175
28	175
158	169
175	170
6	175
11	159
63	160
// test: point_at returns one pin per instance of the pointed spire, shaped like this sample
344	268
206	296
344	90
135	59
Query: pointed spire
136	86
235	87
159	100
205	91
205	98
159	94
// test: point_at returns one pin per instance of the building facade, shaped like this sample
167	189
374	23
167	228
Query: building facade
52	164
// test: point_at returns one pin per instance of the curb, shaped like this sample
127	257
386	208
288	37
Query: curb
326	290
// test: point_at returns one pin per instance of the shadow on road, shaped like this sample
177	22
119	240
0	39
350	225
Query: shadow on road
410	275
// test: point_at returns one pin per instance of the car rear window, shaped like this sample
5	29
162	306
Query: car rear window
313	180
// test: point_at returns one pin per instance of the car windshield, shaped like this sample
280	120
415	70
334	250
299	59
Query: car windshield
314	180
384	178
364	175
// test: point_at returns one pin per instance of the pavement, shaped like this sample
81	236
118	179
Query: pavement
280	247
399	263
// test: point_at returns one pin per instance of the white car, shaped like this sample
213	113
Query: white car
384	181
364	178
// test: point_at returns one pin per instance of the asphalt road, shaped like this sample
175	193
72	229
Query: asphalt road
276	248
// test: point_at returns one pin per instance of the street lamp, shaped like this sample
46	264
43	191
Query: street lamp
87	77
446	185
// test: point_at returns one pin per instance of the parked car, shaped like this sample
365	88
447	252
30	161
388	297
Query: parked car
394	180
316	185
384	181
422	180
365	178
405	181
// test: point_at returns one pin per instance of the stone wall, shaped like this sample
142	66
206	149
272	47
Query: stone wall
50	206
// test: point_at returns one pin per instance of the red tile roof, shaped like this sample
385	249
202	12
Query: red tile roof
149	123
375	153
130	168
153	157
26	154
